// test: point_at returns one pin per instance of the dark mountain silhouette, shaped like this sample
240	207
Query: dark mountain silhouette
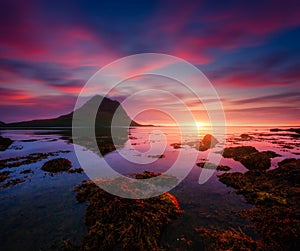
103	118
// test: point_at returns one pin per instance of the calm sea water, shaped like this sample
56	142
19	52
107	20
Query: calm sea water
43	210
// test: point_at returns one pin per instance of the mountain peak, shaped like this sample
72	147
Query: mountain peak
104	116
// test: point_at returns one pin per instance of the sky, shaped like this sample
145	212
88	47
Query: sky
249	51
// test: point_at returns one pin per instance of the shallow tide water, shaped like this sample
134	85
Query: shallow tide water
42	211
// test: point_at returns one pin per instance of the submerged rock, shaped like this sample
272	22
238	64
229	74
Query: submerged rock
76	170
208	142
12	183
208	165
106	148
4	175
116	223
5	143
146	175
246	136
26	171
295	131
176	145
157	156
223	168
28	159
57	165
250	157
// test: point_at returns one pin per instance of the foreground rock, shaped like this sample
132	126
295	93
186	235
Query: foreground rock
208	142
250	157
57	165
116	223
276	195
5	143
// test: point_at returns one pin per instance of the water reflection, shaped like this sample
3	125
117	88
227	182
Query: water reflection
43	210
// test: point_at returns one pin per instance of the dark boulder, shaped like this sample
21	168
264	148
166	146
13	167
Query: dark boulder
250	157
5	143
57	165
208	142
236	152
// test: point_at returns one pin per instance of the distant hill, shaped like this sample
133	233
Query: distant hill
104	116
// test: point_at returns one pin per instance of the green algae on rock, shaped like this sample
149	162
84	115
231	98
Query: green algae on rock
116	223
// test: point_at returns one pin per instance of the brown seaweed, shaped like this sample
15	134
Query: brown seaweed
116	223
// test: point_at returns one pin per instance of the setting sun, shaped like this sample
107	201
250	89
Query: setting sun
200	124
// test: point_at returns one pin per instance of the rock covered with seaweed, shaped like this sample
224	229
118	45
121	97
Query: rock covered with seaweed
276	195
116	223
250	157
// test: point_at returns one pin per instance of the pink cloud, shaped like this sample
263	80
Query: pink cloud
65	89
13	97
29	37
41	107
192	32
263	116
